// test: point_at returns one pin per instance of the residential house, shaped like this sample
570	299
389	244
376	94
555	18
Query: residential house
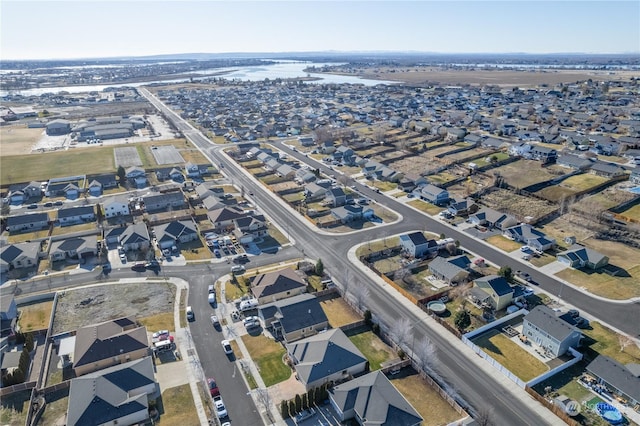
607	170
336	197
286	171
520	150
168	200
135	237
327	147
452	270
107	344
205	190
350	213
21	192
75	215
223	218
543	154
415	244
137	176
530	236
277	285
117	395
315	191
250	227
578	256
499	291
116	206
635	175
326	358
433	194
98	183
74	248
492	219
70	190
27	222
8	313
113	235
461	207
175	232
542	327
372	400
573	162
617	378
294	318
494	143
192	170
306	141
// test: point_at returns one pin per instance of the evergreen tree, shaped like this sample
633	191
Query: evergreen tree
28	342
298	402
462	319
292	407
319	268
122	175
284	409
305	401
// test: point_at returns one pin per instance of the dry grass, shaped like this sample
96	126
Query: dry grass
339	312
179	407
561	228
523	173
423	206
619	254
55	412
503	243
13	408
597	282
510	355
18	238
62	230
517	205
606	343
18	140
632	213
35	317
427	401
163	321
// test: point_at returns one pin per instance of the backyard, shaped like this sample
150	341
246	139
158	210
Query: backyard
374	349
632	213
13	408
267	354
510	355
427	401
35	316
571	186
339	312
523	173
604	341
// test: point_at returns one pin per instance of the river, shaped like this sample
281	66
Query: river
283	69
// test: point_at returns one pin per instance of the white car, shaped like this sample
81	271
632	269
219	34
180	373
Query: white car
190	315
227	347
237	269
211	298
221	410
251	322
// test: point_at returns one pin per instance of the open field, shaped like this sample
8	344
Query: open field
18	140
178	407
412	165
503	243
603	200
35	316
510	355
523	173
267	354
428	403
339	312
43	166
602	284
517	205
479	76
562	227
374	349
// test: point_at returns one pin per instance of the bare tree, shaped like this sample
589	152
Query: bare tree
360	294
379	134
426	354
484	417
346	285
263	397
400	332
323	134
624	341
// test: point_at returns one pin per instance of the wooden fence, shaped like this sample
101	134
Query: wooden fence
558	411
17	388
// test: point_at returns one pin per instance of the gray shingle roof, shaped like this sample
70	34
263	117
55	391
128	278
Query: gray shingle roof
545	319
498	284
276	282
616	375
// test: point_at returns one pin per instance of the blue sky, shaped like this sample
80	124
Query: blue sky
80	29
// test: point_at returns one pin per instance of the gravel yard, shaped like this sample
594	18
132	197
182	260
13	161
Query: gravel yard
127	157
167	154
91	305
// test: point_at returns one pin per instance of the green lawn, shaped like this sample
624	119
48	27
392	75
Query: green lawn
374	349
618	288
632	213
510	355
43	166
503	243
605	342
423	206
267	354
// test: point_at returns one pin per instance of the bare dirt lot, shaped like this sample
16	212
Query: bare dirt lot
18	140
507	78
518	205
91	305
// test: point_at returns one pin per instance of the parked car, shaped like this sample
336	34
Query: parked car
159	335
153	265
573	313
216	252
251	322
526	249
221	410
525	276
139	267
57	203
49	204
213	387
243	258
33	206
211	298
237	269
226	346
215	321
123	257
190	315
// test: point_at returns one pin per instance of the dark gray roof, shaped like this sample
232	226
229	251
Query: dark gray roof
497	283
174	230
135	233
417	238
545	319
76	211
298	312
27	218
376	401
276	282
616	375
8	253
585	254
445	267
324	354
10	359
